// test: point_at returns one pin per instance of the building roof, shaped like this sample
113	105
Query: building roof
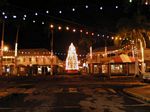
29	52
102	49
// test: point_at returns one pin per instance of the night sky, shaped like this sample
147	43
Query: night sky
36	35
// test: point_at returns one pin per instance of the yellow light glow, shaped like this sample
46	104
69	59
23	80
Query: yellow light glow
74	30
59	28
6	48
67	28
51	26
72	59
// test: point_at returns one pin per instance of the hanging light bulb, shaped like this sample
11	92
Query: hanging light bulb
47	11
86	6
42	23
36	13
73	9
74	30
51	26
67	28
101	8
59	28
14	16
60	12
146	3
24	18
25	15
5	17
130	1
3	13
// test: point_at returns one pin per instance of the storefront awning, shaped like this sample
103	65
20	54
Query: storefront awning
122	59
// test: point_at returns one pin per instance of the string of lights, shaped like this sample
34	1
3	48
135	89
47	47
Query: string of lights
33	16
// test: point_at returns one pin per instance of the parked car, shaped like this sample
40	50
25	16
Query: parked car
146	76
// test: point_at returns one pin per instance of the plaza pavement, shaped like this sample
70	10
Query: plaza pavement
142	92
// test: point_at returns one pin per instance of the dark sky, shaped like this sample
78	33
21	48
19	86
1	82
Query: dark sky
35	35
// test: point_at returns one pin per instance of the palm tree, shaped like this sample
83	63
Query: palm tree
135	28
86	43
3	3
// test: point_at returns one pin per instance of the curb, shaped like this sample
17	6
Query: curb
139	96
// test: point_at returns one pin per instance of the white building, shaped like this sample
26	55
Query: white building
30	61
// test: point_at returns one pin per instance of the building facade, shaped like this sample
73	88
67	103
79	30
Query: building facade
30	61
113	61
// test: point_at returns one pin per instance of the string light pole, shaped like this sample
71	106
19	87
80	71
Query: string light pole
16	50
2	46
52	34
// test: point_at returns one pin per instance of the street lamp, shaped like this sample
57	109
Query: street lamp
16	51
5	48
52	34
2	45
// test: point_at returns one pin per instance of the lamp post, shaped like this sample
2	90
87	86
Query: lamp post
16	51
91	58
2	46
52	34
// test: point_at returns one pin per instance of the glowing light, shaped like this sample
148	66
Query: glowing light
67	28
60	12
112	38
81	31
73	9
86	6
120	38
25	15
3	13
74	30
5	17
130	1
5	48
47	11
101	8
98	35
33	21
92	34
146	3
59	28
72	59
42	23
24	18
51	26
116	7
36	13
87	33
14	16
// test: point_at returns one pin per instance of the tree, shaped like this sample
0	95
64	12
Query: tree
86	42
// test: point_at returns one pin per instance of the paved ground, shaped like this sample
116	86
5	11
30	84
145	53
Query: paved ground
140	92
68	95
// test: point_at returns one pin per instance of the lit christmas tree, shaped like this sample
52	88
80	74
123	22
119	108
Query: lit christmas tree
72	59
